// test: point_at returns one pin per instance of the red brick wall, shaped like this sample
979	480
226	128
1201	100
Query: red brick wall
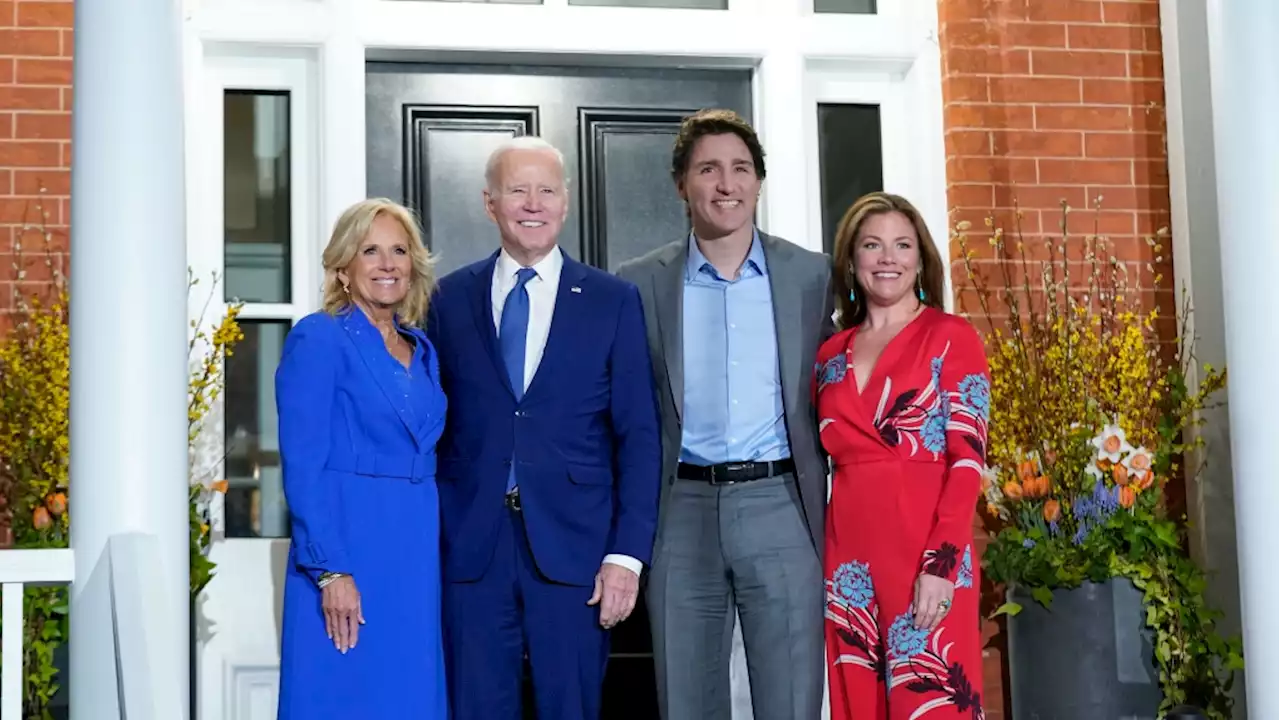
35	133
1051	100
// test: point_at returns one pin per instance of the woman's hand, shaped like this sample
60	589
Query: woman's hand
932	600
340	601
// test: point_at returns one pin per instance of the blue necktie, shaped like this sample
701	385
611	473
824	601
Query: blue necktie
512	332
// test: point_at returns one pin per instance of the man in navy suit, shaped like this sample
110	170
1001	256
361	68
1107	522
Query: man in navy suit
549	466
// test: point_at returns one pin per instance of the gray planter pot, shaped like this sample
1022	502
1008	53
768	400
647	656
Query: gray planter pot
1089	656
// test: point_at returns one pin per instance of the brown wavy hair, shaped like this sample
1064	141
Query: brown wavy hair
350	231
843	277
713	122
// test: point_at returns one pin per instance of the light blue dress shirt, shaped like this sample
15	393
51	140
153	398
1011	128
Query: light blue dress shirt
732	396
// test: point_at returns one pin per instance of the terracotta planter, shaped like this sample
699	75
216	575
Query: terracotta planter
1089	656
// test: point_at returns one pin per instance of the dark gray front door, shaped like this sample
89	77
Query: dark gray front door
431	129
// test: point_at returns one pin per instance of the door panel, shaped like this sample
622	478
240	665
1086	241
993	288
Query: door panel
431	129
614	126
628	197
447	149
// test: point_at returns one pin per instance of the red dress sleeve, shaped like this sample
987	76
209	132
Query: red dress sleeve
966	386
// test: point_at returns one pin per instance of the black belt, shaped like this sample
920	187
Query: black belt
735	472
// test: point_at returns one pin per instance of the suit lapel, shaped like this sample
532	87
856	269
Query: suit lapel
668	294
482	309
370	344
784	288
572	275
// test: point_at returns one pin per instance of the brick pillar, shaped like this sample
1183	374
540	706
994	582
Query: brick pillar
1052	100
35	133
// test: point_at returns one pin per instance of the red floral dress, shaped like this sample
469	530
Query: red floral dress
908	454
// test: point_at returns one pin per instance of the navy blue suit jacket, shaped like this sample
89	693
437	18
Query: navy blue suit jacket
584	436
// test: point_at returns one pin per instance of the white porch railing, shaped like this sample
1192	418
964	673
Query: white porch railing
19	568
149	687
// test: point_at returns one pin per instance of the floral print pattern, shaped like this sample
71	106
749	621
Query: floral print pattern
852	583
964	578
918	661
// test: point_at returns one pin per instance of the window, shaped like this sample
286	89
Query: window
254	231
857	7
849	158
256	182
256	222
254	504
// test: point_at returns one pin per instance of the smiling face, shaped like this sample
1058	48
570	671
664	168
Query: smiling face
528	201
887	258
720	186
379	275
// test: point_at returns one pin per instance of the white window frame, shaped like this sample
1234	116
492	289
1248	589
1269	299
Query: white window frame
223	68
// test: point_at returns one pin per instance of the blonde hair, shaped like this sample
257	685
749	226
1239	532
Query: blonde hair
350	231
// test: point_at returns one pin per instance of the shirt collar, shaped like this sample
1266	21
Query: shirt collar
548	268
697	261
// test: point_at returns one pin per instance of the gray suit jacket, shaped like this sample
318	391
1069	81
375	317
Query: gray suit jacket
800	281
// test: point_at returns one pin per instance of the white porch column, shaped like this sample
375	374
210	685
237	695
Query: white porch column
1243	65
128	340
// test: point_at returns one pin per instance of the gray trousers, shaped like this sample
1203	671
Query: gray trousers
742	547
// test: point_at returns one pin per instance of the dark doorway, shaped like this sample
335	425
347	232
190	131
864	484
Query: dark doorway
431	128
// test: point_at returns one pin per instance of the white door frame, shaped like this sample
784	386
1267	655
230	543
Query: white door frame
318	49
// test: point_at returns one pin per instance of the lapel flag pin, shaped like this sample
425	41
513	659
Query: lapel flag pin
576	289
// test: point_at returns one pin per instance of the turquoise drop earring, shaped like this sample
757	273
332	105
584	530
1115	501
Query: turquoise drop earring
853	297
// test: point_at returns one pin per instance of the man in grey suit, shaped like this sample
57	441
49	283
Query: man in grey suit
735	318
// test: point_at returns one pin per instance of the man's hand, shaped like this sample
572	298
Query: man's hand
616	591
340	601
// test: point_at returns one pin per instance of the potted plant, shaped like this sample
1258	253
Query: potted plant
1090	414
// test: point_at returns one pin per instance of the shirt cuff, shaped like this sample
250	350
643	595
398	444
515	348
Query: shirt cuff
625	561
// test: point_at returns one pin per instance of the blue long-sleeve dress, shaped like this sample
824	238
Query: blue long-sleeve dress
357	441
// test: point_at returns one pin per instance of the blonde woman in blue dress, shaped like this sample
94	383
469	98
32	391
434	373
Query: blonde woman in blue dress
360	410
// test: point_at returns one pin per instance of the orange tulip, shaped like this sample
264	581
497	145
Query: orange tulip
1043	482
1120	474
1052	510
57	503
1145	480
1026	469
1012	490
40	518
1127	496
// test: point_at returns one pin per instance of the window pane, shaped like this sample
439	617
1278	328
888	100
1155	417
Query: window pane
858	7
695	4
256	212
849	159
255	491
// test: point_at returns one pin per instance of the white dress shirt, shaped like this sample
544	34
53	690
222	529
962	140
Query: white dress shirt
542	305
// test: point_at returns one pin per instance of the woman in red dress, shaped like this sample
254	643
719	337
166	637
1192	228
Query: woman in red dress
903	396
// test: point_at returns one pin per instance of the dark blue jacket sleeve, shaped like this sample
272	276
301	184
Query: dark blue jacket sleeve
638	449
